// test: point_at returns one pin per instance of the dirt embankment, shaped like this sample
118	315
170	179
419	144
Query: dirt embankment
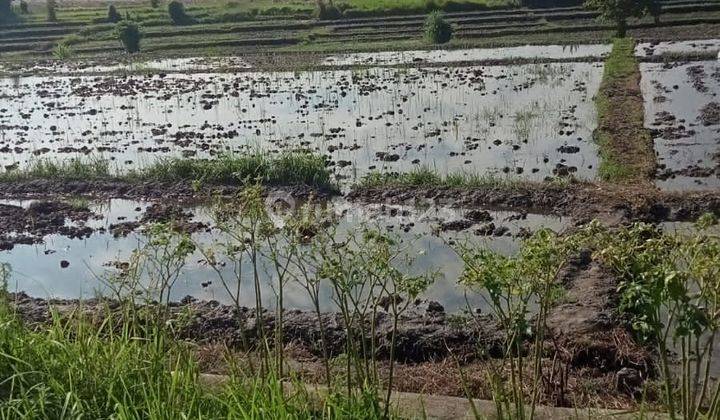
582	201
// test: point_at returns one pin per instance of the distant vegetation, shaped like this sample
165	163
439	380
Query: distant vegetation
619	11
177	13
113	15
327	11
129	34
437	29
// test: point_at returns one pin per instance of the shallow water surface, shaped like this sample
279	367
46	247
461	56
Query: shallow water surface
37	269
473	54
531	121
682	109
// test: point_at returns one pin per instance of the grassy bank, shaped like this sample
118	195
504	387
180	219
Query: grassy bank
117	370
291	168
426	177
626	148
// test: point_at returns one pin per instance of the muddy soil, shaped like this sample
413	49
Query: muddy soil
30	225
581	201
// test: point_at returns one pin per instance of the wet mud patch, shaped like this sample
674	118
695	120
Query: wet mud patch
30	224
683	114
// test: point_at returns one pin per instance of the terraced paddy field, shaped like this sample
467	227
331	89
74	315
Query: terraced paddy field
339	195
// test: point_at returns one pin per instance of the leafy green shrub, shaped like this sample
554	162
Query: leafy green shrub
154	4
51	11
24	9
618	11
129	34
62	51
113	15
327	11
437	29
176	10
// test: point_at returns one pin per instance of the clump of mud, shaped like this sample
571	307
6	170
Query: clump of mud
710	114
19	225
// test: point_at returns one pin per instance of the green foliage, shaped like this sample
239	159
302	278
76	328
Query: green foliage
327	11
71	170
129	34
618	11
437	30
291	168
176	10
24	9
113	15
426	177
62	51
154	4
626	156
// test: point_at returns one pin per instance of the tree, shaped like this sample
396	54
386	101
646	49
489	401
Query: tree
437	29
128	32
619	11
113	15
176	10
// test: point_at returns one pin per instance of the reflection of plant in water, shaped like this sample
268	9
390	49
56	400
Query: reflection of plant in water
523	124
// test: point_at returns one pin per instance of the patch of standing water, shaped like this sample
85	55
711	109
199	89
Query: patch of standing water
649	49
530	120
37	269
474	54
168	65
682	110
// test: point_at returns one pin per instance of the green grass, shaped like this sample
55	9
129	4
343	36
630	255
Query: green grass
426	177
71	369
71	170
626	148
290	168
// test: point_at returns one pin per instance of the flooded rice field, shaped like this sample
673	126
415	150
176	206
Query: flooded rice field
532	121
85	248
474	54
682	110
649	49
186	64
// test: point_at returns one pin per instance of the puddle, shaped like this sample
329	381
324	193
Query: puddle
474	54
648	49
682	111
38	269
533	121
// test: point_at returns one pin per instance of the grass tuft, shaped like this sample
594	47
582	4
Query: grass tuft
290	168
426	177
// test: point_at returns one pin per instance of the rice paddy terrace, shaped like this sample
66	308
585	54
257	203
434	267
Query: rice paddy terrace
530	123
222	28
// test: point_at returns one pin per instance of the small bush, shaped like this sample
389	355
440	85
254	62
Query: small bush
113	15
437	29
51	11
24	8
62	51
176	10
327	11
129	34
154	4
